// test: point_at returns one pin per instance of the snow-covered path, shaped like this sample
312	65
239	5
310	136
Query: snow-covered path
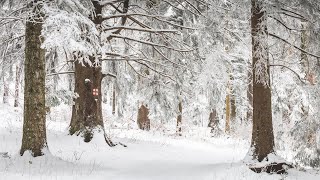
176	159
149	156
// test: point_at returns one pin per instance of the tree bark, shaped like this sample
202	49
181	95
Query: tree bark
5	91
233	112
114	100
17	84
179	120
213	123
262	133
143	119
5	98
249	96
34	126
87	108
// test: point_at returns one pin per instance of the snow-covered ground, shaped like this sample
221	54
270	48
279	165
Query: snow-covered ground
149	155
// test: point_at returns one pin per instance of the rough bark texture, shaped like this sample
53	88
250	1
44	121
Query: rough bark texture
87	110
249	96
143	119
34	125
262	132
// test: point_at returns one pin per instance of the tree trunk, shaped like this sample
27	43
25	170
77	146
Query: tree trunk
179	120
17	84
233	112
114	71
114	99
5	98
34	125
262	133
87	110
304	45
228	111
213	123
143	119
249	96
5	91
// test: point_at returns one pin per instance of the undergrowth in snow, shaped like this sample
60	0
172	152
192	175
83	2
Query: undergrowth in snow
150	155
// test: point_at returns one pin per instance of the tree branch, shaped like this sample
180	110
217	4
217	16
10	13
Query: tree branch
302	50
279	65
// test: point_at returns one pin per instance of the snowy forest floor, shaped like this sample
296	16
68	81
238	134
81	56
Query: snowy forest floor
149	155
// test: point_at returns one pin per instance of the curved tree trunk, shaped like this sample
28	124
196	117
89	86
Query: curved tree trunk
262	133
143	119
34	123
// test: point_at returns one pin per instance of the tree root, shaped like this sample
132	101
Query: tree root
278	168
109	141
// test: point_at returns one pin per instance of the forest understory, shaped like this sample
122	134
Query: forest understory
148	155
159	89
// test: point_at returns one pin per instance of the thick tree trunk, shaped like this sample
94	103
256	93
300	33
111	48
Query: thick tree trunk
249	96
262	132
34	126
87	110
143	119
